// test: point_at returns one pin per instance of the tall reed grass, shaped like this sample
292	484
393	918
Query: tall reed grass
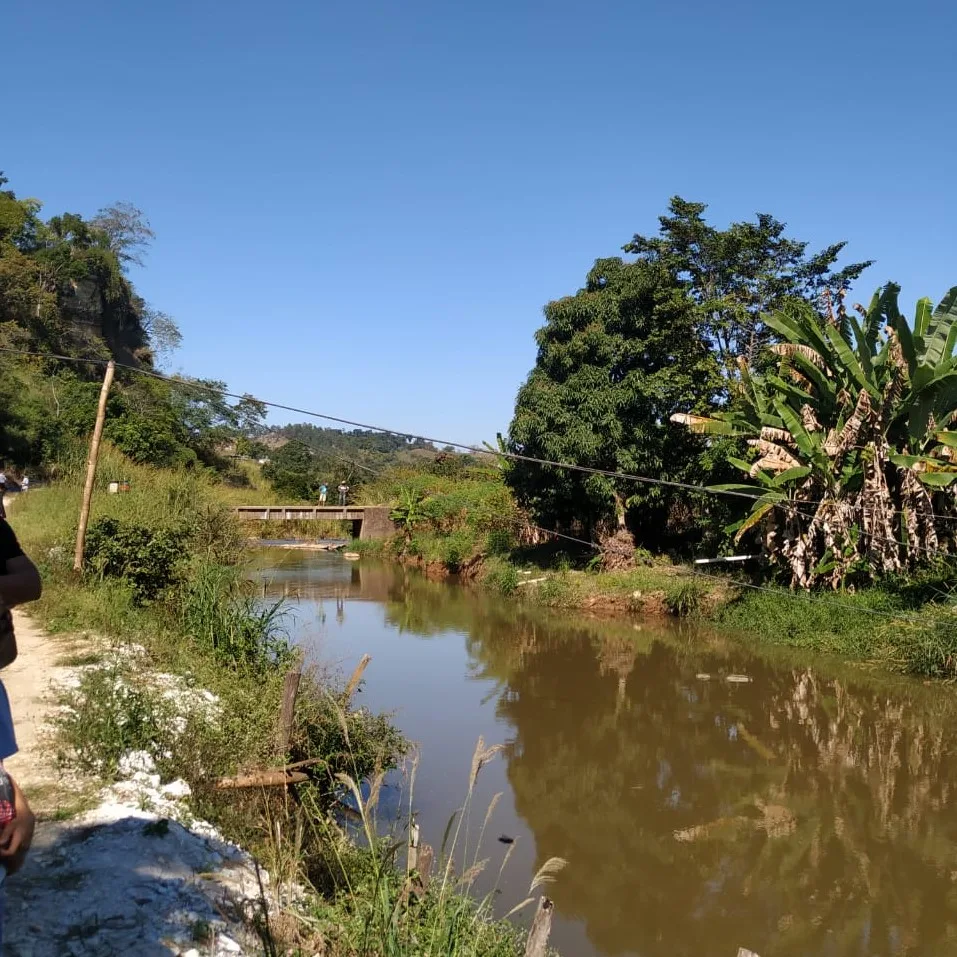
378	901
219	614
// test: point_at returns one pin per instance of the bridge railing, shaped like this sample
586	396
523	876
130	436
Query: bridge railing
292	513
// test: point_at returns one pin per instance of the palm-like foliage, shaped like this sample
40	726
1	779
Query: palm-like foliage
407	513
852	433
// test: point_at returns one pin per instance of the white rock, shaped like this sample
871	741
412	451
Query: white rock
136	762
177	790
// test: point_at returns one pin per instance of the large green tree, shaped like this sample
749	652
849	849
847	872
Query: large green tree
62	285
64	291
614	362
736	275
643	340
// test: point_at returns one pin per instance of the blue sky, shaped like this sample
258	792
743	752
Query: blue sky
361	208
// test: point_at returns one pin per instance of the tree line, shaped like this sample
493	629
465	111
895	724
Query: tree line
729	358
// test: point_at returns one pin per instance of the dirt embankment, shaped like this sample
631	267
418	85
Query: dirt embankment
122	870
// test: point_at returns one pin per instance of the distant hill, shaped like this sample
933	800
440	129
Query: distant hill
363	448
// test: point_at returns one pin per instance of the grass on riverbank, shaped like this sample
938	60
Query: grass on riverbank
908	626
468	522
905	625
387	902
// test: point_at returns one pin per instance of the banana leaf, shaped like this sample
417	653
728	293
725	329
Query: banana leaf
756	515
849	361
942	331
922	315
802	438
937	479
791	475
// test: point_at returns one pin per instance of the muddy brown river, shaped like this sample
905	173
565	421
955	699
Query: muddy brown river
807	810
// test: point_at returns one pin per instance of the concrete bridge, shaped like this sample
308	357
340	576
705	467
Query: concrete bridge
368	521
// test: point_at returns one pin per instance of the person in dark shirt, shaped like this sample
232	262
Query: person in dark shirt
19	578
19	582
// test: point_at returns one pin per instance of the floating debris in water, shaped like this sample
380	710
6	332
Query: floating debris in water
703	677
505	839
738	679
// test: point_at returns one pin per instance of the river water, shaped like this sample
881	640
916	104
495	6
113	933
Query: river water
806	811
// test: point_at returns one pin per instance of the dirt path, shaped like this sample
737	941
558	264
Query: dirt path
28	682
122	877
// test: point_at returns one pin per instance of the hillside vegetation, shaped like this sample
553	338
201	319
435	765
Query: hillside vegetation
65	292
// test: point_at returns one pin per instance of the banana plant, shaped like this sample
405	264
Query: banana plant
854	453
408	512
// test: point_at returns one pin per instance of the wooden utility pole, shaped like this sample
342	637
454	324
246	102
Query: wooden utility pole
91	467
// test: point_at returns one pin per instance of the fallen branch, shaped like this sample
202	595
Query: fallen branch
308	763
262	779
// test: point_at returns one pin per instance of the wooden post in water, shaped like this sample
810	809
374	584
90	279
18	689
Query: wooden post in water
287	712
537	945
419	866
91	467
413	848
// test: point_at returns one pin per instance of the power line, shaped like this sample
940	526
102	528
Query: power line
225	393
793	507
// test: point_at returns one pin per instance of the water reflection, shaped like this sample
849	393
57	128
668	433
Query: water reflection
806	811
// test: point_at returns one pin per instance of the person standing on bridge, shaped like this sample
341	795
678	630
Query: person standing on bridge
343	493
322	493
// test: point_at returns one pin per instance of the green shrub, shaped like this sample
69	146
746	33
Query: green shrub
683	599
407	513
353	741
146	440
501	576
457	548
553	591
147	559
499	541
